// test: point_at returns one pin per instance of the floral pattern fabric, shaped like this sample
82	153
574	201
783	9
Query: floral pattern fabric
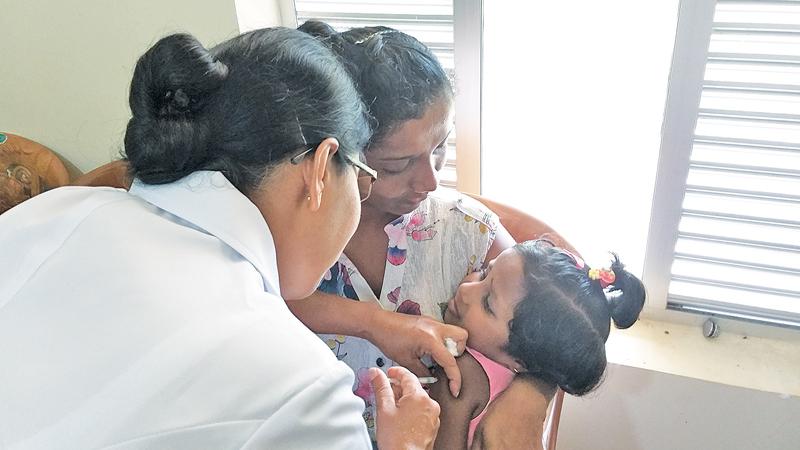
430	251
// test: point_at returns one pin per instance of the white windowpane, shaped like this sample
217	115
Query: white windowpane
759	183
736	275
447	176
427	33
780	74
746	156
757	12
775	103
748	129
755	43
740	230
421	7
451	153
778	210
742	253
736	297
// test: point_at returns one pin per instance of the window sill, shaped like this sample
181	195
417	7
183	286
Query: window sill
766	363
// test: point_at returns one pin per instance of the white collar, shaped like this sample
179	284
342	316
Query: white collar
210	202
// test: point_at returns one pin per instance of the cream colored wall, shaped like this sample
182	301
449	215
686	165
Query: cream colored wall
639	409
254	14
65	67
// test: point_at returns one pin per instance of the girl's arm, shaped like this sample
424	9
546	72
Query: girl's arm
456	413
403	338
514	420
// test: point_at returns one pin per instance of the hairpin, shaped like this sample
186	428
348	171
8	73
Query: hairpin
371	35
577	259
606	277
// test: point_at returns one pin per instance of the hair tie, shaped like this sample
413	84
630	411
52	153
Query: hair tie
606	276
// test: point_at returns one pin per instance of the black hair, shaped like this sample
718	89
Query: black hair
561	324
398	77
240	108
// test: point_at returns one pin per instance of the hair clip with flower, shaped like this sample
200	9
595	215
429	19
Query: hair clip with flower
606	277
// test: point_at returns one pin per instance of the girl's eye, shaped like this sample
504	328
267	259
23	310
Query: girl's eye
483	274
399	167
486	305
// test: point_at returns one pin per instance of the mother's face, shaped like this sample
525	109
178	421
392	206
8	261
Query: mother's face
408	160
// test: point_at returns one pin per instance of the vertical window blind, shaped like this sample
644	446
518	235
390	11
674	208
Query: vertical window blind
736	249
430	21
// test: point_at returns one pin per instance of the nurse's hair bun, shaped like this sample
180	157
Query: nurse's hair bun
172	83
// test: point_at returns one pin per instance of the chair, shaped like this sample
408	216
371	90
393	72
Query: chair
27	168
114	174
523	227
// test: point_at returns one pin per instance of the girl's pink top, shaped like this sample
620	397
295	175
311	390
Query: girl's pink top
499	378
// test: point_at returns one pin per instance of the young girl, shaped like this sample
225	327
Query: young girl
538	311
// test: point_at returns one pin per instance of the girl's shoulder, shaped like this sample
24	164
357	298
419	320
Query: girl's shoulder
474	393
457	412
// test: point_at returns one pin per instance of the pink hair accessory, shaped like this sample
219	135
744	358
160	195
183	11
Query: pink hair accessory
578	260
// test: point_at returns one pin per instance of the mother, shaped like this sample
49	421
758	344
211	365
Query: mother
152	318
412	246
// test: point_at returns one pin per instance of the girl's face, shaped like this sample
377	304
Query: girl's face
408	161
484	304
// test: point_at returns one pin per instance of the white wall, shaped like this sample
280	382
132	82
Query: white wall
638	409
65	66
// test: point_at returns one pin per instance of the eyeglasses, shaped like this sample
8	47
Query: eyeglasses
366	174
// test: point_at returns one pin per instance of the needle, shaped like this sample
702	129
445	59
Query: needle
422	380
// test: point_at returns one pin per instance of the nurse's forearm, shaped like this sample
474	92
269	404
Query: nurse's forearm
328	313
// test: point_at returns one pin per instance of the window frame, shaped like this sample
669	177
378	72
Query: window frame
468	46
687	73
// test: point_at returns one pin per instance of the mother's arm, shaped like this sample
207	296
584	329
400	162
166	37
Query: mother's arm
403	338
522	226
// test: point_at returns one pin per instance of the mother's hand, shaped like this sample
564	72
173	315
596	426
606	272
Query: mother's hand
405	339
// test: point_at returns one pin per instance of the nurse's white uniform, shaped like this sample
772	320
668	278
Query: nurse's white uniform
152	319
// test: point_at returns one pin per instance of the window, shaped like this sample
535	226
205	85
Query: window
725	232
573	103
430	21
570	111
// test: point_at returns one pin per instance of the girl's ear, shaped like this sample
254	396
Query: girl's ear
315	169
518	367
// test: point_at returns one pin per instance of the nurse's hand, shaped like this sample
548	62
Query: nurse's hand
406	338
406	417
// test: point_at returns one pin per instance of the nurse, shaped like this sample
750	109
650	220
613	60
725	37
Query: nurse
155	318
